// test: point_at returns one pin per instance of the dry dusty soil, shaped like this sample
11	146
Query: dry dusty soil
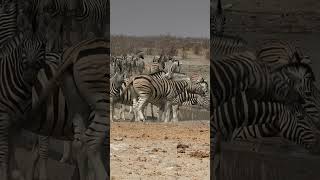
160	151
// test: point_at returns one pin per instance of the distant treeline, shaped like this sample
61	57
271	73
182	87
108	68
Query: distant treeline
156	45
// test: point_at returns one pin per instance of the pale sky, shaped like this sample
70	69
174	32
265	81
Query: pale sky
186	18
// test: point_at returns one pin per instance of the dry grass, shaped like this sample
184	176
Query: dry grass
155	45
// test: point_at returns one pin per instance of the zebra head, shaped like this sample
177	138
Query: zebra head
8	26
200	88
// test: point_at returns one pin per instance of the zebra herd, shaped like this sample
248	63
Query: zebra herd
63	96
136	83
266	92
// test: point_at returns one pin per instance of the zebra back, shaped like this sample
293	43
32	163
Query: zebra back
223	45
8	22
276	53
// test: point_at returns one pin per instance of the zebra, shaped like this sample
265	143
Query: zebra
188	99
241	72
128	97
240	118
85	90
116	83
156	89
277	52
17	77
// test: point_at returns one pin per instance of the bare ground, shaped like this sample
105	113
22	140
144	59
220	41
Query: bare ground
160	151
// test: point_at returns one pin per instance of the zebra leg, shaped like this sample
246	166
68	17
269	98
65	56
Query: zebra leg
81	158
67	151
122	112
4	147
43	157
35	159
167	111
145	110
140	107
175	113
135	107
131	113
152	112
161	112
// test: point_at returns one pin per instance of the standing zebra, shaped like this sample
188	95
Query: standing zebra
157	90
85	89
239	73
240	117
128	97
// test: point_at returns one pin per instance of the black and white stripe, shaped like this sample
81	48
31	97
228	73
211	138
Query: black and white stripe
218	19
20	55
158	90
242	117
241	72
276	53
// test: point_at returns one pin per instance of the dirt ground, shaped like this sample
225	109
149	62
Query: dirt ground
160	151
